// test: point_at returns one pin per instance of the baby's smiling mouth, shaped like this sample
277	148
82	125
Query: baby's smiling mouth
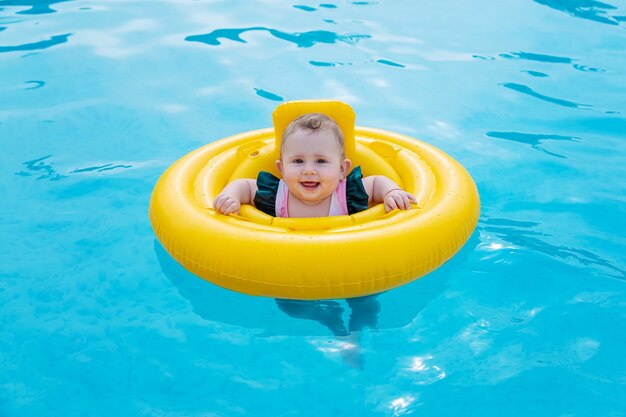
309	184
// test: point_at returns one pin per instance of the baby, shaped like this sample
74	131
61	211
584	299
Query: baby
315	180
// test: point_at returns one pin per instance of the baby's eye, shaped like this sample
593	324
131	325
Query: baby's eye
297	161
321	161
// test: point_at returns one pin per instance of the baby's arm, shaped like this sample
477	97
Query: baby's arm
382	190
238	192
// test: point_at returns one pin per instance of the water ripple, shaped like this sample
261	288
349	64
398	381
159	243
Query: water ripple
268	95
305	8
520	235
53	41
524	89
36	6
483	57
340	64
390	63
585	68
530	56
534	140
544	58
43	169
584	9
40	168
35	84
537	74
101	168
301	39
313	9
328	64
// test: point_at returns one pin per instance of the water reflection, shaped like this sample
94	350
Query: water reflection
393	309
585	9
534	140
36	6
301	39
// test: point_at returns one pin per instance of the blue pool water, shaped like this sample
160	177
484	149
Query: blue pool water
98	98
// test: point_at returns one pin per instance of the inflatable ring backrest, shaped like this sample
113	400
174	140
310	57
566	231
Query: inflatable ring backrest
314	258
339	111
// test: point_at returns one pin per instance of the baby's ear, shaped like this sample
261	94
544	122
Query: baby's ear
345	167
279	165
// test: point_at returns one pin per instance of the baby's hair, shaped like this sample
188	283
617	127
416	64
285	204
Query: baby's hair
314	122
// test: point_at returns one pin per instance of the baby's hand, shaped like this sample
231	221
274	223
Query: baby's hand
226	203
398	199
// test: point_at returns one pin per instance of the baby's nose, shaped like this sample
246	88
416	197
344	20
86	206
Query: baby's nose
309	168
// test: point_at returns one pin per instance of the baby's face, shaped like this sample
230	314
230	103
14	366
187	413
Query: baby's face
312	165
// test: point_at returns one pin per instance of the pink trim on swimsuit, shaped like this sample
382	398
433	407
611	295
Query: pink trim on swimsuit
282	196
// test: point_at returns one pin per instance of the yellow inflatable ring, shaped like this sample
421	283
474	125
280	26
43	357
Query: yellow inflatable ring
314	258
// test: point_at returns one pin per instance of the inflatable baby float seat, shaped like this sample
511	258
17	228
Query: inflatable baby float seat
314	258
